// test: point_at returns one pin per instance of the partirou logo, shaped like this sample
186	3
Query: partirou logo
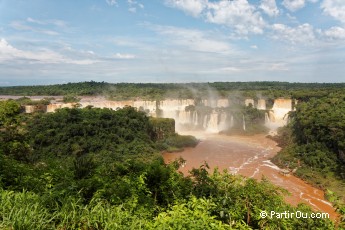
297	214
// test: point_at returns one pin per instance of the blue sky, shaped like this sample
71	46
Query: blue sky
60	41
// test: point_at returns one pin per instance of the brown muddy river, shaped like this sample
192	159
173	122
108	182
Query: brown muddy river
250	157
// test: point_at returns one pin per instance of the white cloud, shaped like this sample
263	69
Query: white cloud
335	33
35	21
230	69
194	40
239	15
292	19
55	22
293	5
18	25
111	2
132	9
10	53
37	25
269	7
278	67
254	46
335	9
133	5
137	43
124	56
192	7
302	34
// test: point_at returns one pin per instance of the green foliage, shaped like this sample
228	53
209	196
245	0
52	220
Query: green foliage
167	139
99	214
28	101
12	136
81	131
246	120
99	169
8	112
70	99
176	143
23	211
319	131
162	127
195	214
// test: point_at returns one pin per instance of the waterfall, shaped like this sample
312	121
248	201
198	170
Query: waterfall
244	123
271	116
222	124
195	118
280	108
267	118
184	117
205	121
218	119
213	121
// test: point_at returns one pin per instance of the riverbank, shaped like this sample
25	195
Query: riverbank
250	156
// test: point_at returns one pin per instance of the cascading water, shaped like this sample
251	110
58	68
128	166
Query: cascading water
195	118
216	120
231	121
205	119
222	122
212	124
271	116
244	123
267	118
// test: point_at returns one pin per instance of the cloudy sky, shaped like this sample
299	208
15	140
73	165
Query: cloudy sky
60	41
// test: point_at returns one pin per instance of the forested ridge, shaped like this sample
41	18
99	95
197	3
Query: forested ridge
101	169
159	91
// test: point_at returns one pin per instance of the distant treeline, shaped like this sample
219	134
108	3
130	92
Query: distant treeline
157	91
